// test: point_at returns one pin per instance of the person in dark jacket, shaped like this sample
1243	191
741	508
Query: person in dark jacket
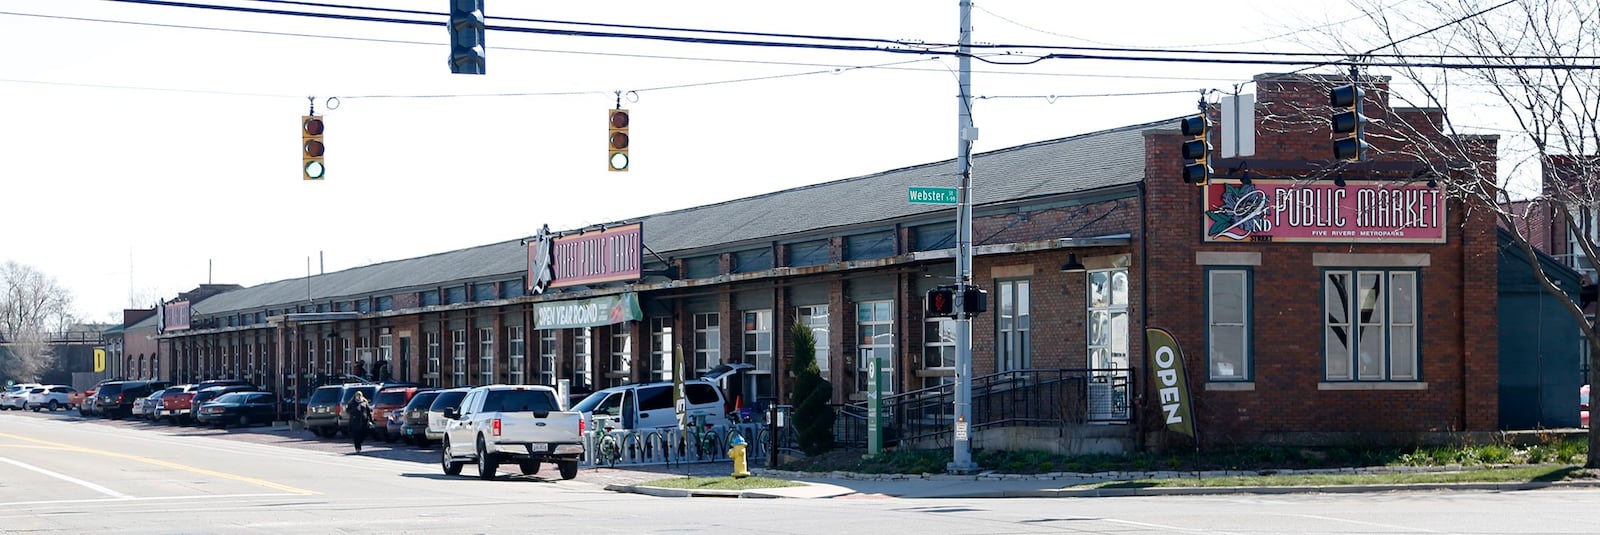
360	413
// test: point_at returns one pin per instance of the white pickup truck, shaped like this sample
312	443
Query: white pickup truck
521	424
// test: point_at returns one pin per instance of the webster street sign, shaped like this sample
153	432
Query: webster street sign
933	195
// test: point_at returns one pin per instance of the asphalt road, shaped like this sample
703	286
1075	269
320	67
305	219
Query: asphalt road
61	473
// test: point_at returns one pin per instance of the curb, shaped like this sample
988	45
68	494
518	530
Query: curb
688	493
1130	492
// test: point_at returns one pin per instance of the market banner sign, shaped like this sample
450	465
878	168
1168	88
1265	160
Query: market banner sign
174	316
592	312
1374	211
1172	385
606	255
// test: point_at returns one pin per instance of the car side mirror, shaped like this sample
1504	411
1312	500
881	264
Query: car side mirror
452	413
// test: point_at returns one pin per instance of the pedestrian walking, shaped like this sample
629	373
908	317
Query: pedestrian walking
360	413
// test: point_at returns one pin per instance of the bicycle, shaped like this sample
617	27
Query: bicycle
607	450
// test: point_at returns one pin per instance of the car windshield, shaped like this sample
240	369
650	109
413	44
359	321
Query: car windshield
422	400
232	397
325	395
519	401
588	404
447	399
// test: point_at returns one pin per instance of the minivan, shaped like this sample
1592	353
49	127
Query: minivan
649	405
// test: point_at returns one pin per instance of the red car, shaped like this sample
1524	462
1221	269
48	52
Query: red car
389	400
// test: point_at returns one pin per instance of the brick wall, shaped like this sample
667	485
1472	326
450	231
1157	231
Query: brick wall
1289	401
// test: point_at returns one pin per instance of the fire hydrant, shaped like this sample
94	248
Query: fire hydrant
740	467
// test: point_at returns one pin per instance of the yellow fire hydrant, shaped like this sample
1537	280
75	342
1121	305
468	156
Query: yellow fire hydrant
740	467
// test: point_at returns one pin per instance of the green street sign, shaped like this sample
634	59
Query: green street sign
933	195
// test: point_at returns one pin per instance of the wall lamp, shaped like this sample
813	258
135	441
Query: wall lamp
1072	265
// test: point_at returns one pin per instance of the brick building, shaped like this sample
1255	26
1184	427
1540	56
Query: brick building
1081	242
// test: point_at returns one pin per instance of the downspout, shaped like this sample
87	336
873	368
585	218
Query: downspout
1136	404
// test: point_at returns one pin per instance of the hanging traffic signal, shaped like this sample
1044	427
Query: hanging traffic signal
1196	149
466	37
618	140
311	147
940	302
1347	119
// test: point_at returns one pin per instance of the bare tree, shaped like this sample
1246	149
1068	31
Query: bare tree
1534	63
32	306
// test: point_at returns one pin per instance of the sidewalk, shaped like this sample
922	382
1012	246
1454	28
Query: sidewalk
887	486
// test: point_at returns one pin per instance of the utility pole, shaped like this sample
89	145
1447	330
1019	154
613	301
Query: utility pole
966	134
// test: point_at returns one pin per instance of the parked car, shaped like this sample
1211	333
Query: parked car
49	397
144	408
16	395
389	400
240	408
76	399
173	406
515	424
447	399
1583	406
325	415
203	395
414	418
115	399
649	405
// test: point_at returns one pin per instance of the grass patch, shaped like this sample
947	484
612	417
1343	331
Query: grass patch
720	483
1487	475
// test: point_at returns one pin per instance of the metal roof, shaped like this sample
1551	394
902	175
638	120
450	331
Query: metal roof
1042	169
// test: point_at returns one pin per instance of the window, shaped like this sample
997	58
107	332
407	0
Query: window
869	246
707	342
1370	325
516	354
310	354
1013	320
754	260
758	351
938	351
621	357
809	253
875	329
816	317
661	348
1588	221
327	356
581	375
934	237
349	358
432	376
385	357
1227	324
547	357
486	356
458	357
1108	344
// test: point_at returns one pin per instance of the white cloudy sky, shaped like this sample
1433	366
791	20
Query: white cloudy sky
148	150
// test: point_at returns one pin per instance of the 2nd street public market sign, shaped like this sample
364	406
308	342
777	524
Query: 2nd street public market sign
1290	211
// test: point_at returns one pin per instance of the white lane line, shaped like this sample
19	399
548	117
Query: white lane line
69	479
209	498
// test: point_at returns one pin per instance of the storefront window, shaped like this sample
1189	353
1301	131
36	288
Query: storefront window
1227	317
875	331
707	342
661	348
1369	328
486	357
758	352
816	317
458	357
1013	321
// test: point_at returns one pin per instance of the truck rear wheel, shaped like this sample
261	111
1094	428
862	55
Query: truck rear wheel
487	465
569	469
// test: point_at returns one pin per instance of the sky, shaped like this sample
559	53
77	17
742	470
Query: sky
150	149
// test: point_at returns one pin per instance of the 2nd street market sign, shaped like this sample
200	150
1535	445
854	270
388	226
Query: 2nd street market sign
1290	211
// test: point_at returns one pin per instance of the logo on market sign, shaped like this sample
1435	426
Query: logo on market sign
1290	211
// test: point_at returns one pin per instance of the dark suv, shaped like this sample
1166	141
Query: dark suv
325	410
115	399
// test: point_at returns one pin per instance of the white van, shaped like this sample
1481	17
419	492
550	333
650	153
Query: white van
649	405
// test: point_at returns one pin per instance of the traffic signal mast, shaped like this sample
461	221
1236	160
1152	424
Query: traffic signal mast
1196	149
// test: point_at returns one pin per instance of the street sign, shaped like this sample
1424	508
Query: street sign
933	195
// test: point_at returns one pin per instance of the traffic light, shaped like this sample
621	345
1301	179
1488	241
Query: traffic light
466	37
618	140
976	300
940	302
311	147
1196	149
1347	119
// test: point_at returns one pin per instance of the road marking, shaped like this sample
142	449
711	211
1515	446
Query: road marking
67	478
130	499
168	464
